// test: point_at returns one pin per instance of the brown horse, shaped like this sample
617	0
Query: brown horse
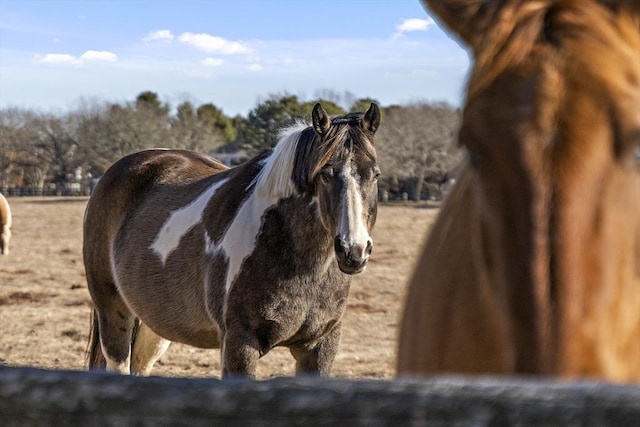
245	259
5	223
533	266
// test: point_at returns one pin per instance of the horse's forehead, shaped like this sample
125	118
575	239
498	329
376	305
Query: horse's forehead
354	157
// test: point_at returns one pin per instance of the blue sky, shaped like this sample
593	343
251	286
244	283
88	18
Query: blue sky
229	52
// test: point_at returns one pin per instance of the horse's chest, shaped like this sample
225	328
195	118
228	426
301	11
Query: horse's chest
290	313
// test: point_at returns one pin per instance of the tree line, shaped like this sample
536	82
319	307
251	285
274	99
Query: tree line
416	143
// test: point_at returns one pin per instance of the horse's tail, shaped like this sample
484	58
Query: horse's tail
94	357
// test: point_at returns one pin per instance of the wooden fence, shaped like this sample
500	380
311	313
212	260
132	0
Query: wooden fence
30	397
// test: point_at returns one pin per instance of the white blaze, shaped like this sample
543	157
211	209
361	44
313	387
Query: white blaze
352	226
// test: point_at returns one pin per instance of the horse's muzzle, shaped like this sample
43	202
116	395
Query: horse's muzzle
352	258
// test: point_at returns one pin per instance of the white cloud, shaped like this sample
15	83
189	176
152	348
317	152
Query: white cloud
406	70
160	35
99	55
209	43
213	62
412	24
59	59
66	59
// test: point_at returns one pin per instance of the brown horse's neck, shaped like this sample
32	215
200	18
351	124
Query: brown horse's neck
521	275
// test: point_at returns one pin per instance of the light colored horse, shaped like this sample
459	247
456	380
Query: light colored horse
245	259
533	266
5	222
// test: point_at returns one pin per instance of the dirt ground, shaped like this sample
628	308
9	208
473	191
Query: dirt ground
45	306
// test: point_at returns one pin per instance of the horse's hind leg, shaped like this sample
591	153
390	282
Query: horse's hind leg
116	324
114	321
148	347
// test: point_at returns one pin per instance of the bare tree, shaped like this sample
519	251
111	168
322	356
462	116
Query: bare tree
110	131
418	143
13	136
36	147
190	131
54	148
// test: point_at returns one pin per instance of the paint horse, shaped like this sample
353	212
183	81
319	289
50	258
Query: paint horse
245	259
533	265
5	223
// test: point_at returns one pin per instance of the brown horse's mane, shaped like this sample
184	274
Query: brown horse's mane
518	29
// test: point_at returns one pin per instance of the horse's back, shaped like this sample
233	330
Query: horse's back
138	172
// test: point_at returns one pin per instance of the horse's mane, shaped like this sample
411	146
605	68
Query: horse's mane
517	29
274	179
299	147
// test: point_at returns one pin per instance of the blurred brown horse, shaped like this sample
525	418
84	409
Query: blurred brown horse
5	224
533	266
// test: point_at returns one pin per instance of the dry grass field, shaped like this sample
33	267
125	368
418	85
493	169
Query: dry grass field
45	306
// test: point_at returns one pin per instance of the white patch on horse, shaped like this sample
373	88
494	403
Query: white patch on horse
240	239
352	226
272	183
180	222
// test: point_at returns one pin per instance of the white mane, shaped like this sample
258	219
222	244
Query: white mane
274	180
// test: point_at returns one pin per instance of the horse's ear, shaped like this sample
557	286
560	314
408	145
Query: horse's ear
321	120
468	19
371	120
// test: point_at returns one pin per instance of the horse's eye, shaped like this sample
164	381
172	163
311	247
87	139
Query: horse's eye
376	174
326	173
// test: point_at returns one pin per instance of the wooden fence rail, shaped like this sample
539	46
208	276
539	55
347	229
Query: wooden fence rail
30	397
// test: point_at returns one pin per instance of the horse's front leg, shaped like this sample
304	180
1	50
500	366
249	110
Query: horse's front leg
240	354
317	358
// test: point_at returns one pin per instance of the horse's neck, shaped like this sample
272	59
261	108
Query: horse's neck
302	225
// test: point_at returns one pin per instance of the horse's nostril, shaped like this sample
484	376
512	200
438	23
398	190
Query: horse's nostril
338	246
353	254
